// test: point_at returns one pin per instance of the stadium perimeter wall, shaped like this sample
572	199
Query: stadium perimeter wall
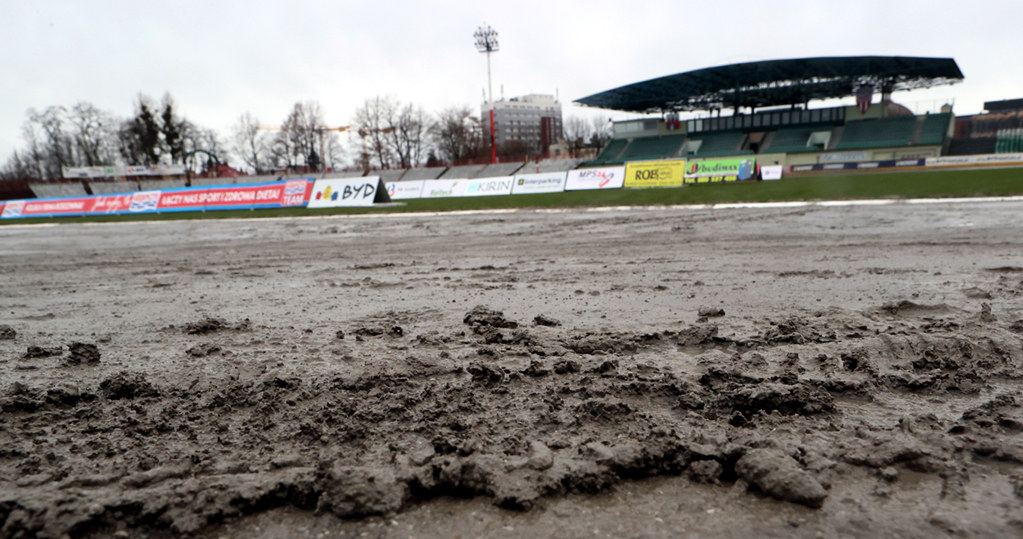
298	192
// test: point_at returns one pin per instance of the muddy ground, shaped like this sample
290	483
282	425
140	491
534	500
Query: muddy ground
820	371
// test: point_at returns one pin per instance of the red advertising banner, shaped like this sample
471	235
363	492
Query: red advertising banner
287	193
29	208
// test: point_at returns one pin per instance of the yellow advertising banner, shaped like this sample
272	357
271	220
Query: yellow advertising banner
655	173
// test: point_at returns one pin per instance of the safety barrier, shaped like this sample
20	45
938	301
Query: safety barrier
278	194
370	190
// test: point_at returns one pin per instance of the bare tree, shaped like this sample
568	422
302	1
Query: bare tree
373	119
457	134
332	152
201	148
408	136
18	167
251	144
55	146
94	135
59	137
602	131
304	138
578	131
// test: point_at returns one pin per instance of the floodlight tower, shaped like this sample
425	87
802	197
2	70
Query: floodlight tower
486	42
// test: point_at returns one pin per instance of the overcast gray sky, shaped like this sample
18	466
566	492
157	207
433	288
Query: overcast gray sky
219	59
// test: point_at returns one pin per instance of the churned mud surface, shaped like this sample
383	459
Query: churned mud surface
850	371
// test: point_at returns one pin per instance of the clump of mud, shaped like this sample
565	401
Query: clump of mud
211	325
480	318
82	353
488	324
7	333
36	352
780	476
127	385
203	350
541	320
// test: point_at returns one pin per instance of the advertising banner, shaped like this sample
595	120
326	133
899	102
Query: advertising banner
771	172
262	195
228	197
47	207
736	168
444	188
867	165
405	190
549	182
483	187
841	157
121	170
348	192
655	173
996	158
986	159
595	178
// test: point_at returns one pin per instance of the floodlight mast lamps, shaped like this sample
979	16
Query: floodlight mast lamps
486	43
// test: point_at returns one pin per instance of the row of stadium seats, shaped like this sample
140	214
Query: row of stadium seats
53	190
897	131
718	144
701	145
795	139
1009	141
876	133
935	129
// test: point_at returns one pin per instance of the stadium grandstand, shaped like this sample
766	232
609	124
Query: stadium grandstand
768	108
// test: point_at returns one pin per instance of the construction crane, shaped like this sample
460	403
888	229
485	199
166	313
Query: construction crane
278	128
361	131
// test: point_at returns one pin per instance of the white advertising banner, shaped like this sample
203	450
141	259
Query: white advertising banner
543	182
484	187
405	190
595	178
770	172
986	159
844	157
120	170
338	192
444	188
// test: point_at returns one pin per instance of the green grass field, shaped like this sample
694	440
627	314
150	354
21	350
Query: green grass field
909	184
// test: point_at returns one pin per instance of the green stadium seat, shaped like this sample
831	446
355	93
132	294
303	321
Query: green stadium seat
935	129
658	147
790	140
610	152
719	144
880	133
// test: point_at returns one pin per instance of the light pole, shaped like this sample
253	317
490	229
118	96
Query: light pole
486	43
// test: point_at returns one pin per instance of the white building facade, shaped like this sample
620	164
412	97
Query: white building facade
531	122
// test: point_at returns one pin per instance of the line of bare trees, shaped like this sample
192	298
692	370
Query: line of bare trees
384	133
84	135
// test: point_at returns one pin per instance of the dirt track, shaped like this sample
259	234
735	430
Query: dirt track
837	371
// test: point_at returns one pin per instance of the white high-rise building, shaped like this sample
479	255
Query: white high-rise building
533	120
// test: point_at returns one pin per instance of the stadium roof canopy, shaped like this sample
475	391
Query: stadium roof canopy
776	83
